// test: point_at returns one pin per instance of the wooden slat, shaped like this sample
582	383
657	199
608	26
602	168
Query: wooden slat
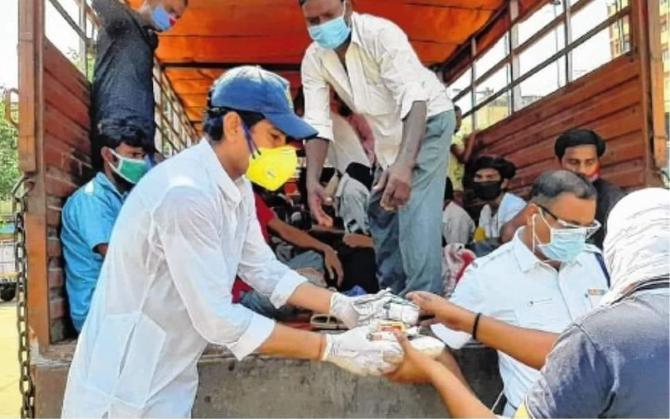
58	125
76	108
608	101
59	183
62	69
609	77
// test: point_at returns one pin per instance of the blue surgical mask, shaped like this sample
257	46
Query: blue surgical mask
331	34
565	244
162	19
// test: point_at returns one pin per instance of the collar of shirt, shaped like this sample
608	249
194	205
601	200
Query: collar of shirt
213	166
103	181
527	259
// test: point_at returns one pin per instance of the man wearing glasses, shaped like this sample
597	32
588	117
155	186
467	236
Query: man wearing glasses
544	279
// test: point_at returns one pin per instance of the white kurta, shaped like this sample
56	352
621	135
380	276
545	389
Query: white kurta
183	234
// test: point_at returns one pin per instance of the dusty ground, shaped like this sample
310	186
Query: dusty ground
9	368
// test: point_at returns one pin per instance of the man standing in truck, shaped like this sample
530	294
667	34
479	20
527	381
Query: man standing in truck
123	77
373	68
183	235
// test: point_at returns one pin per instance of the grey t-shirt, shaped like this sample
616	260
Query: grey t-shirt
122	82
612	363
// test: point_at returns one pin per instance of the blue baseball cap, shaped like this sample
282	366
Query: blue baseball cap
253	89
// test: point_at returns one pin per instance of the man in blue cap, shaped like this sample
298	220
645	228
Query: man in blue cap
184	233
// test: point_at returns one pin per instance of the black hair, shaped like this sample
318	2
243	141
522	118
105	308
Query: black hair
111	132
506	168
361	173
576	137
448	190
299	102
458	109
213	125
553	183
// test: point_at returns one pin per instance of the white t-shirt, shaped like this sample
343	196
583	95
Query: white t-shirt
457	226
510	206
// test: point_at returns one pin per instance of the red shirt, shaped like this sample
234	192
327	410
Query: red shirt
264	215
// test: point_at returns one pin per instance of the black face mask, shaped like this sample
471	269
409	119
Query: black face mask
488	191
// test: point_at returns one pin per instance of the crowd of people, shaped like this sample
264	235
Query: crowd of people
221	241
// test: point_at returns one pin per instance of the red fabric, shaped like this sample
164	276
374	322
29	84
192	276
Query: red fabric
264	215
362	128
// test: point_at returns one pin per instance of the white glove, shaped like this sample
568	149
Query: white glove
354	352
363	310
427	345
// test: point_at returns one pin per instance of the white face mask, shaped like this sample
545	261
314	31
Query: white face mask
565	243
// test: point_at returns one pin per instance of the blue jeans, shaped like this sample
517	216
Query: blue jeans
408	242
255	301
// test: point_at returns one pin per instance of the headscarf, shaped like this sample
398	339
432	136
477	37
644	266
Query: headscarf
637	246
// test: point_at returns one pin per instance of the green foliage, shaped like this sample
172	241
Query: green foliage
9	170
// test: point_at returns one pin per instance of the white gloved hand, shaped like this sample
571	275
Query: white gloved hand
354	352
363	310
427	345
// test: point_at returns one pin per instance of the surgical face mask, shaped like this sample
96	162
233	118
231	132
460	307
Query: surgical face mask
488	191
270	168
331	34
565	244
130	170
162	19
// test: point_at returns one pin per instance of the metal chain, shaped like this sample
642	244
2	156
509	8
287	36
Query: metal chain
19	193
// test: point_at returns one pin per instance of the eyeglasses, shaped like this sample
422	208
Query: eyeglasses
590	230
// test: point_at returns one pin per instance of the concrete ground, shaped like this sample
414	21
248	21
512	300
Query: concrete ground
9	367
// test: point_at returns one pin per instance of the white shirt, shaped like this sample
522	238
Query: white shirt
509	207
353	199
347	147
164	291
457	226
383	78
511	284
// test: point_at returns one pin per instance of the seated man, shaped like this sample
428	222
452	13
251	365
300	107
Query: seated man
352	198
491	176
544	279
595	368
457	226
580	150
319	256
89	214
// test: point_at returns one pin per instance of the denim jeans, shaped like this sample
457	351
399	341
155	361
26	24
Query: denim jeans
255	301
408	242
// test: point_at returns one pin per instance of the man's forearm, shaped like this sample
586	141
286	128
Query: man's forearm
316	151
458	398
302	239
311	297
294	343
528	346
414	129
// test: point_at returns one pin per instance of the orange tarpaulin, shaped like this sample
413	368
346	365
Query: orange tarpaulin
217	34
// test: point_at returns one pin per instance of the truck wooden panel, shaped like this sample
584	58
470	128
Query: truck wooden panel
608	100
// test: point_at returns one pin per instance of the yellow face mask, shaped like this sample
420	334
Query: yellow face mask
270	168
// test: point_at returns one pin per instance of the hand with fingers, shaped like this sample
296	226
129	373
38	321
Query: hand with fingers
415	366
396	182
334	266
365	309
354	352
317	198
451	315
